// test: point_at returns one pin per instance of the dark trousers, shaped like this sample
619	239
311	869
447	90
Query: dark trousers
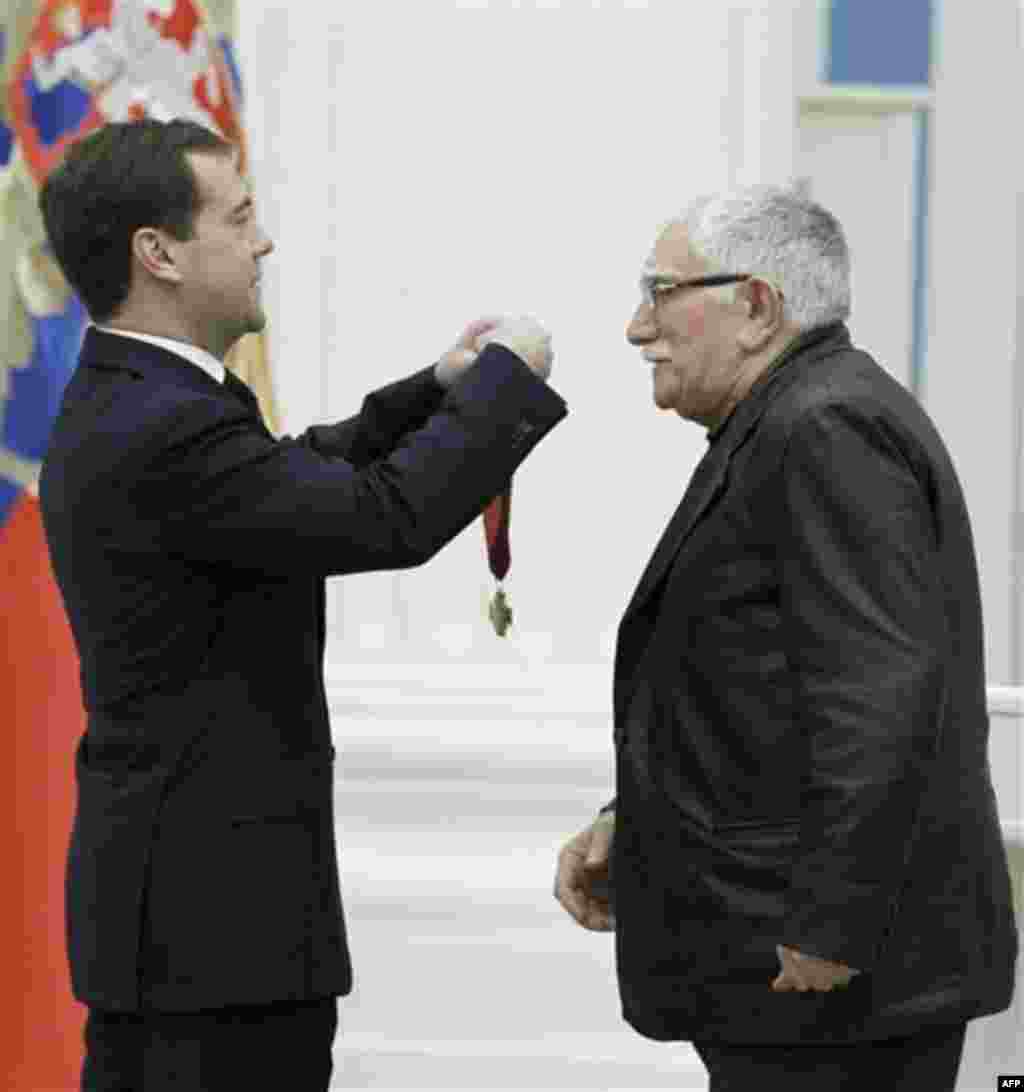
928	1060
279	1046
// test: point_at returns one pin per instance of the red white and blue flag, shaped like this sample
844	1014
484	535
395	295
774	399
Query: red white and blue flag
70	66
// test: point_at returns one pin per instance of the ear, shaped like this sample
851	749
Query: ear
156	253
764	314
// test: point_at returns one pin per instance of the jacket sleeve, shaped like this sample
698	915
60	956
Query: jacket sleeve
222	490
386	416
866	640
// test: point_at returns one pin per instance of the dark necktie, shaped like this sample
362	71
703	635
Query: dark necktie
241	391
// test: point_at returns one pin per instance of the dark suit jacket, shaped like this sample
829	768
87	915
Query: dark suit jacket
801	727
191	548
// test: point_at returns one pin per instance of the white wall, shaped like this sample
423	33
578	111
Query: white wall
1017	532
969	383
421	164
284	72
859	162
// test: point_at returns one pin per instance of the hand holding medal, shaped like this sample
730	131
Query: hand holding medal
528	339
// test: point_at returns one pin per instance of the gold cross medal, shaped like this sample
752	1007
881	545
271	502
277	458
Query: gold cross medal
500	612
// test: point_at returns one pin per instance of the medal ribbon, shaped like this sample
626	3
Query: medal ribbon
497	516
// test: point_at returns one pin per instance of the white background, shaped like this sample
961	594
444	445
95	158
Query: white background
472	158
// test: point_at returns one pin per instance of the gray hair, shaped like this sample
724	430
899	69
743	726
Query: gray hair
785	238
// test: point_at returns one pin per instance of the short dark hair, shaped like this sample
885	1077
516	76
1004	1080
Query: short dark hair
125	176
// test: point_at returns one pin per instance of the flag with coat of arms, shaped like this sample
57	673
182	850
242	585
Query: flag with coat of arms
68	67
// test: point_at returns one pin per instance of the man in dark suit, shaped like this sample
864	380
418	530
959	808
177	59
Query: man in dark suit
205	924
803	865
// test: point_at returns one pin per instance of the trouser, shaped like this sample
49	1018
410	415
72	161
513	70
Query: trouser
927	1061
285	1045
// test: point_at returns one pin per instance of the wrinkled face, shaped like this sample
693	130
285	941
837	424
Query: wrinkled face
220	265
687	334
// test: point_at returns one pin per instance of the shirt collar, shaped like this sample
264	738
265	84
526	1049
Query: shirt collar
192	353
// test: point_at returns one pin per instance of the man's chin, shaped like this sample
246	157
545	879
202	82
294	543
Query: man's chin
254	324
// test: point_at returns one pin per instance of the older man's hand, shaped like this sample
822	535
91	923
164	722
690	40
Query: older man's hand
806	972
583	879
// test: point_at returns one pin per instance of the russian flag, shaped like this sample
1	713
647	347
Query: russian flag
40	703
43	323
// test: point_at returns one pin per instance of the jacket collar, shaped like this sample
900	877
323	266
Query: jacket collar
200	357
806	347
711	474
143	359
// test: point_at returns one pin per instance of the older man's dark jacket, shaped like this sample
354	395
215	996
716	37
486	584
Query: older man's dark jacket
802	730
191	549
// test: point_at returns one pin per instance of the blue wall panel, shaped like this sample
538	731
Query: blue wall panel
880	42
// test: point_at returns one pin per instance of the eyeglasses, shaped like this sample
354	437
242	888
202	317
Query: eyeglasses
654	288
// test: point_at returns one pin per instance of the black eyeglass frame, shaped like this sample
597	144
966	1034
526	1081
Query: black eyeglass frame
650	286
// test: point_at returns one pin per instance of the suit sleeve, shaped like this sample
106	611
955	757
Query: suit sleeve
223	490
386	416
866	638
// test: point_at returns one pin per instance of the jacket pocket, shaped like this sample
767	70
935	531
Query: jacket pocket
740	826
754	834
747	868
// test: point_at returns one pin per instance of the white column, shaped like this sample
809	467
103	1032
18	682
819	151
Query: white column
764	74
283	56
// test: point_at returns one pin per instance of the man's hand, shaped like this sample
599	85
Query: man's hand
528	339
804	972
462	355
582	882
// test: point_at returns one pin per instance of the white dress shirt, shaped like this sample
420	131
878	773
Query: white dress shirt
192	353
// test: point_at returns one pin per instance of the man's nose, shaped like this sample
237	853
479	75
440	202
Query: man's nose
641	328
266	247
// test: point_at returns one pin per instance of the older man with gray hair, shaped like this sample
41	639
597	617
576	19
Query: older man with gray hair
803	865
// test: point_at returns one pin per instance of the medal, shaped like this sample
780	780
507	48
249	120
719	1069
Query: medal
500	612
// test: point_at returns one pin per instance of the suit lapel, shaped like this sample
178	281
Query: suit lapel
707	482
